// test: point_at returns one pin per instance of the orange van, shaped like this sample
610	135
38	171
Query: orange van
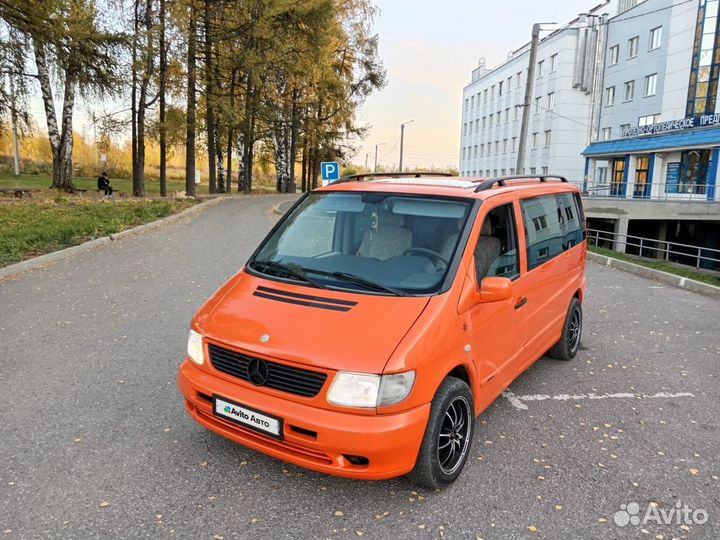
382	314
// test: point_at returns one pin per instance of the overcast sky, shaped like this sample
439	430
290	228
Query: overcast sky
430	49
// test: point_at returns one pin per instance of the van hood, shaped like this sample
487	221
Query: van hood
329	329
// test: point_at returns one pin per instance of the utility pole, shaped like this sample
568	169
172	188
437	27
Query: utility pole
13	116
367	155
402	140
520	165
376	149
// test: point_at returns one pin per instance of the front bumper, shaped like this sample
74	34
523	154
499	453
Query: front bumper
314	438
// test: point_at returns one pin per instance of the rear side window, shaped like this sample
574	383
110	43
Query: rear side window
553	224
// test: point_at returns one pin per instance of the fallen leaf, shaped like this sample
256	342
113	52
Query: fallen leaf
339	513
359	533
695	472
558	507
217	537
104	504
204	464
532	528
602	520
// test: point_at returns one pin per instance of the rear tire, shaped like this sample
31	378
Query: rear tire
569	343
448	436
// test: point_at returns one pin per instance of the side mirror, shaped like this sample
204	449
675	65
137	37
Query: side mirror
495	289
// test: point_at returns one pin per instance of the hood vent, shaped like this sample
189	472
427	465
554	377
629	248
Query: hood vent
304	299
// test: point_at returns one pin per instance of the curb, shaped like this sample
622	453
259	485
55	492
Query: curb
55	256
657	275
277	210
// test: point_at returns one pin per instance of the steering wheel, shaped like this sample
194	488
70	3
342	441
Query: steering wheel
436	257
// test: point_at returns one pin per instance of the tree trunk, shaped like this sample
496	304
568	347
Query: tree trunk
162	90
292	188
139	176
133	96
304	170
191	80
209	112
61	142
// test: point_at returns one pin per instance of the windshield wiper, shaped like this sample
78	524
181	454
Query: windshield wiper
357	280
296	273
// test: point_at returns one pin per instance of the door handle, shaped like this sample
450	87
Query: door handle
521	302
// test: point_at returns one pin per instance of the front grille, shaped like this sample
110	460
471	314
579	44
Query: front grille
300	382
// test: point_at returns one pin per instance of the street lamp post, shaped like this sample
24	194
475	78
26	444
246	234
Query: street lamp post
376	152
402	140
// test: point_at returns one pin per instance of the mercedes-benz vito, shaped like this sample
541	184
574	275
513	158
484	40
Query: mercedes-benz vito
382	314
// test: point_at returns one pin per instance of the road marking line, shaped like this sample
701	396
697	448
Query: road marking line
517	401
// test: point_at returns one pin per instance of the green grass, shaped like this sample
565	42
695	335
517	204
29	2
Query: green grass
121	185
665	267
28	229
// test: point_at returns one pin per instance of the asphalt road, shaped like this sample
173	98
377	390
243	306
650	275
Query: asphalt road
95	443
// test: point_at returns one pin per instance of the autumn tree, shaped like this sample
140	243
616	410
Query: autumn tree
74	54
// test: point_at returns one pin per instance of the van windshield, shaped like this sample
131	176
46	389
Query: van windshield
377	243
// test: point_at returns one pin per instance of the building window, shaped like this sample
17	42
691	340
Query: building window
609	96
507	114
705	67
649	119
500	88
633	45
509	83
553	63
482	149
614	54
655	37
490	120
492	91
519	78
550	101
504	146
606	134
548	134
503	172
472	102
623	128
629	90
497	147
534	140
485	95
477	126
499	117
537	104
533	171
544	170
463	152
540	68
512	171
514	143
483	121
515	112
466	104
475	151
650	84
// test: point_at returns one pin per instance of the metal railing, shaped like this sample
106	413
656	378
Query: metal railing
657	191
658	250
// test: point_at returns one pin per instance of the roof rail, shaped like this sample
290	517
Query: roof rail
362	176
500	181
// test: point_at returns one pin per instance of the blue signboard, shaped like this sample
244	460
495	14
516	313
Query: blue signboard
330	171
672	177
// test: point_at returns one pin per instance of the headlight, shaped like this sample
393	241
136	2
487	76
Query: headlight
195	348
366	390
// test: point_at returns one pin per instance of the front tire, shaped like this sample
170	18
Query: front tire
448	436
569	343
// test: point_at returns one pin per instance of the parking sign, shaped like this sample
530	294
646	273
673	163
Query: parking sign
330	172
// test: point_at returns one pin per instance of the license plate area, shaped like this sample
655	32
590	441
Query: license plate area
264	423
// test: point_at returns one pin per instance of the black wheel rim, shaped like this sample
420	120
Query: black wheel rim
454	436
574	330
